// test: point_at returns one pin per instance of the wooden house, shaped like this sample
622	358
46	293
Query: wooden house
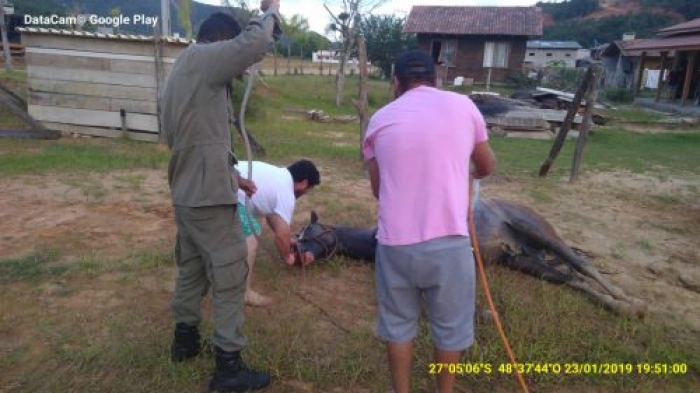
480	43
98	84
679	48
622	64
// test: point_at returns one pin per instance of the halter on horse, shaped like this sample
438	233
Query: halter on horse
326	241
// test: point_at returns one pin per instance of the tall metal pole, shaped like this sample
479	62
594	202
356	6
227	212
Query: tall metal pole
165	17
5	42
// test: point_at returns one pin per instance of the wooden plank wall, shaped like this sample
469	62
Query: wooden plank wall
469	59
81	84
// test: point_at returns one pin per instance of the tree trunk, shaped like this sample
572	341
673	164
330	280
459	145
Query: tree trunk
301	59
361	105
340	78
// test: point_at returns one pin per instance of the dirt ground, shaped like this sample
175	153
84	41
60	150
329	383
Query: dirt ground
642	230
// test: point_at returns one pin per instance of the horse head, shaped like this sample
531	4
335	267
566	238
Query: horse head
319	239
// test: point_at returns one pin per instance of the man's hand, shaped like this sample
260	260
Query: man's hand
248	186
265	4
307	258
290	260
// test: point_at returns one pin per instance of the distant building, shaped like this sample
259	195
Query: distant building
480	43
679	66
326	56
553	54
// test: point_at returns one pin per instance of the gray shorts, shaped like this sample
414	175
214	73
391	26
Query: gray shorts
442	272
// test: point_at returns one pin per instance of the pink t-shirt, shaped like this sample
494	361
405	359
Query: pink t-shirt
423	142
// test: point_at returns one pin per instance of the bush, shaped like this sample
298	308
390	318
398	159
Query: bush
619	95
520	80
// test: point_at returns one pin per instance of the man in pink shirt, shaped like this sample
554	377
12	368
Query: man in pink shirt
418	150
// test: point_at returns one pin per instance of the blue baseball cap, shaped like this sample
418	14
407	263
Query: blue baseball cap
414	63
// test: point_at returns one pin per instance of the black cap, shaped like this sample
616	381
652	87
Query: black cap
414	64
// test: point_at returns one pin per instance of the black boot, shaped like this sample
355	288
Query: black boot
186	344
232	375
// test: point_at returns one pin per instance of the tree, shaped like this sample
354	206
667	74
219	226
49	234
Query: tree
184	12
346	23
300	39
570	9
592	32
688	8
385	40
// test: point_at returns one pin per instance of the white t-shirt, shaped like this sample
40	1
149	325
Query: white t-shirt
275	192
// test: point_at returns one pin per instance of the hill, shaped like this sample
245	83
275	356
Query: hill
592	22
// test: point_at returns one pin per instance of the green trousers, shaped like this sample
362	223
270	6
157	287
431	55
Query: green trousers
211	253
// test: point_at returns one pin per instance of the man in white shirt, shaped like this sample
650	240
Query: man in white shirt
277	191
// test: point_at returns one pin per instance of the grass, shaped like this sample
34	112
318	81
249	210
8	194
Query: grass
302	347
84	155
30	267
96	322
633	114
609	149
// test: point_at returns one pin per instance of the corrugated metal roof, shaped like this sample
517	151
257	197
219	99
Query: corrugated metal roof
689	42
691	26
514	21
537	44
87	34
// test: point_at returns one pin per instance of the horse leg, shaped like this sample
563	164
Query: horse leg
535	266
558	246
633	307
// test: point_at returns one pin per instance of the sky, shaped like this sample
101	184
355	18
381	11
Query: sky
318	17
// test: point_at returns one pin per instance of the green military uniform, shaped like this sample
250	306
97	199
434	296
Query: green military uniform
210	249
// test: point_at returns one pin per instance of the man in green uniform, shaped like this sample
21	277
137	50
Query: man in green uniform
210	250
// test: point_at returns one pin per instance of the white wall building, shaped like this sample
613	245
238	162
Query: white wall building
553	53
327	56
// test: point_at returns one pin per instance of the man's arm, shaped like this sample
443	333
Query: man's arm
484	160
229	59
283	237
373	169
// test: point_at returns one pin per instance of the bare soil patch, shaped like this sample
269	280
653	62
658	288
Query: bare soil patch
643	230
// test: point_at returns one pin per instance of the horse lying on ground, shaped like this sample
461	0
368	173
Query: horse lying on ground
509	234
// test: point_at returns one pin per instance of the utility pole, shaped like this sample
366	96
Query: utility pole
165	17
5	42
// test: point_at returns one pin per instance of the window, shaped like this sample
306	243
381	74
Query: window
443	52
568	55
549	55
496	54
531	54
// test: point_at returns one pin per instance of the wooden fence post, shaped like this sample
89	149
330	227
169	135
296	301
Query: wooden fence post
289	58
591	96
274	58
5	42
568	121
160	80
